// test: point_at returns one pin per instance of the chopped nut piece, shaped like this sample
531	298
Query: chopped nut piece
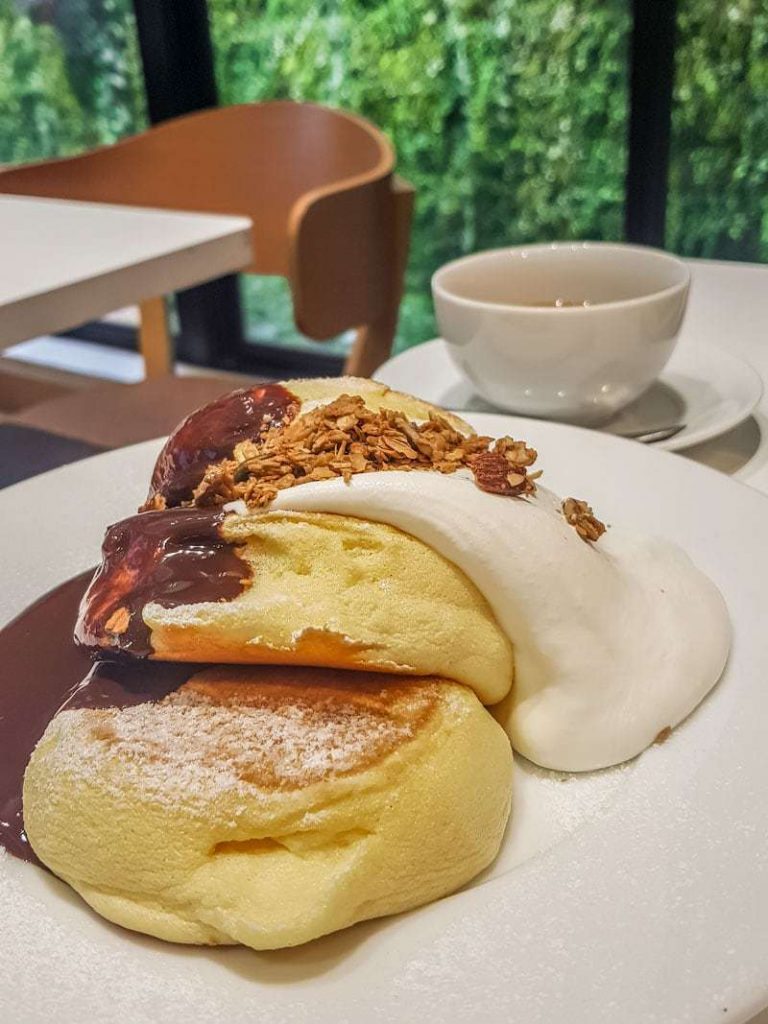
491	469
154	504
581	517
517	453
118	621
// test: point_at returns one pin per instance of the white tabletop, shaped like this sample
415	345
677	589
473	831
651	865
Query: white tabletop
63	263
729	306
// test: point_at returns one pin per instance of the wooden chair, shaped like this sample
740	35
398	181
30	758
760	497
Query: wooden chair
328	213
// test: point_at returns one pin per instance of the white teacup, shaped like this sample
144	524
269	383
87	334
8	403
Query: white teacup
568	330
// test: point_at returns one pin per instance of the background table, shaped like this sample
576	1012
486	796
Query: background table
63	263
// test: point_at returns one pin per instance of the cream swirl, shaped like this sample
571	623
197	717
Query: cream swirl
613	641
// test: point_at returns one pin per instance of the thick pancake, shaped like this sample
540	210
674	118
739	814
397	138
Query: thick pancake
318	590
212	585
270	806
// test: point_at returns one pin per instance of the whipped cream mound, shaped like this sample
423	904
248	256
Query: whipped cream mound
614	641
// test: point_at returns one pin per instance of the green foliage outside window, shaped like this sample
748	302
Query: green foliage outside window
718	199
509	116
39	114
70	81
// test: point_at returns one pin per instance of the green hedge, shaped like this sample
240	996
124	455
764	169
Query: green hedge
70	83
509	116
719	175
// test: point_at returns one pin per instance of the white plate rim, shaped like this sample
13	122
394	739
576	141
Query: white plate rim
514	946
708	354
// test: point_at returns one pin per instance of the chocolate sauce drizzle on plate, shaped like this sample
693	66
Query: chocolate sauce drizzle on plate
175	556
44	671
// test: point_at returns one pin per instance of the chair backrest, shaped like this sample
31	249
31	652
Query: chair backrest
316	182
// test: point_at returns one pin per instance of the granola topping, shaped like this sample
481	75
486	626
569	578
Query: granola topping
581	517
344	438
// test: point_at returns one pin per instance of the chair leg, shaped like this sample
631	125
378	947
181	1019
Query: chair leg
373	343
155	342
371	346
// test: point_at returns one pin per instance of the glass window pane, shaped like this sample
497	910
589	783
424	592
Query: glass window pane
268	315
70	77
718	190
509	117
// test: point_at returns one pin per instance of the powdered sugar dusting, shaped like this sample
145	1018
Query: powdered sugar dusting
204	741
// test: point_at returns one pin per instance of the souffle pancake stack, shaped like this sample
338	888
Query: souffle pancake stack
364	606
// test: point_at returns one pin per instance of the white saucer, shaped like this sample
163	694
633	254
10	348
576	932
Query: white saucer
703	386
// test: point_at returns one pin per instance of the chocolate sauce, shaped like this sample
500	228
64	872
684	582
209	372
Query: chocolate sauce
44	670
172	557
211	433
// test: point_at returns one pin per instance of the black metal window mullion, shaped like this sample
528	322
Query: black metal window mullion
179	78
651	77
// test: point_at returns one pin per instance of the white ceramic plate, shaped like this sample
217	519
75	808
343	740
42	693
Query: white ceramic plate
638	894
702	386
